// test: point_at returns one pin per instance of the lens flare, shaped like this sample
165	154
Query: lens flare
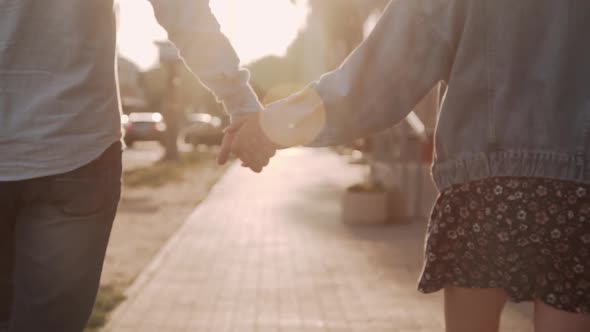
295	121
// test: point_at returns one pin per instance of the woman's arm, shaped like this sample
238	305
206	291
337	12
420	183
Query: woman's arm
409	51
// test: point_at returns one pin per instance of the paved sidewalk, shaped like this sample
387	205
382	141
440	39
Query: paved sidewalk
268	253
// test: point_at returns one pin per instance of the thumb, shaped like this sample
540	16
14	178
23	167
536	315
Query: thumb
226	146
235	125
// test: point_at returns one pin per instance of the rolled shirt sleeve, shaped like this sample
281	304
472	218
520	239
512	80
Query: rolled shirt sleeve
207	53
410	50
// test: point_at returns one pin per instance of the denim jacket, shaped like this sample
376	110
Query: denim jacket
518	74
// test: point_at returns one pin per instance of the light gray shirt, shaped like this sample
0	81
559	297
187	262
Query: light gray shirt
59	104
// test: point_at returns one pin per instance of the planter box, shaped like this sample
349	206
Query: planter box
365	208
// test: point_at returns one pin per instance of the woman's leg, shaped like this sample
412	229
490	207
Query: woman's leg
549	319
468	310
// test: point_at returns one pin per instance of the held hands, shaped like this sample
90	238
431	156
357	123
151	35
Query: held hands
255	137
246	139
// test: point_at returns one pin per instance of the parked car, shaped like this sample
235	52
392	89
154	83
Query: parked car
143	126
203	129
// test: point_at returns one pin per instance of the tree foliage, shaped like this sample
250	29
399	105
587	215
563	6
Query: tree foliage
334	28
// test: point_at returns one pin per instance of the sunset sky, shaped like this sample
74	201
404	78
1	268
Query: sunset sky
255	27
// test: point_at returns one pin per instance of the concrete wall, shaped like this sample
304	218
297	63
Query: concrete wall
413	192
397	161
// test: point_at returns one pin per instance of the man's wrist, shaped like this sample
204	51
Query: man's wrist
242	115
243	103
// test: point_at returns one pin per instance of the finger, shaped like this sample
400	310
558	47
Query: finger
226	148
261	163
256	162
263	158
264	153
265	163
242	149
249	161
248	165
256	168
245	157
237	143
269	152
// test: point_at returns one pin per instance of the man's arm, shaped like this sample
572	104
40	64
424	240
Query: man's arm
208	54
409	51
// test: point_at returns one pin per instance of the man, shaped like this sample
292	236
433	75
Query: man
60	156
516	116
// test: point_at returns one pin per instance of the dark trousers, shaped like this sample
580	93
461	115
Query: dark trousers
53	236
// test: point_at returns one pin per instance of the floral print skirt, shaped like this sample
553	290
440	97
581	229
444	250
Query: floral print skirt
529	236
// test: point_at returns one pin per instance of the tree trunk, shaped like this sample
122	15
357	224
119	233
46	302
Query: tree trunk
169	107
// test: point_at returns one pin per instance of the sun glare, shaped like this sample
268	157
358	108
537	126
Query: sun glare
138	29
259	27
256	28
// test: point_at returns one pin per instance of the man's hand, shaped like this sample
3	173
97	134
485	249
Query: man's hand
228	138
246	139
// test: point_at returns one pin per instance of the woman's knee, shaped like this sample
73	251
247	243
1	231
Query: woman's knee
473	309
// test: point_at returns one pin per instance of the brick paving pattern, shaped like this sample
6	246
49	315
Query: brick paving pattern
267	253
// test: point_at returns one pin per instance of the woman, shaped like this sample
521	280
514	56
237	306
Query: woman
512	146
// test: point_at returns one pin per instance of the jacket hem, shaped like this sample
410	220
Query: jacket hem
566	167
